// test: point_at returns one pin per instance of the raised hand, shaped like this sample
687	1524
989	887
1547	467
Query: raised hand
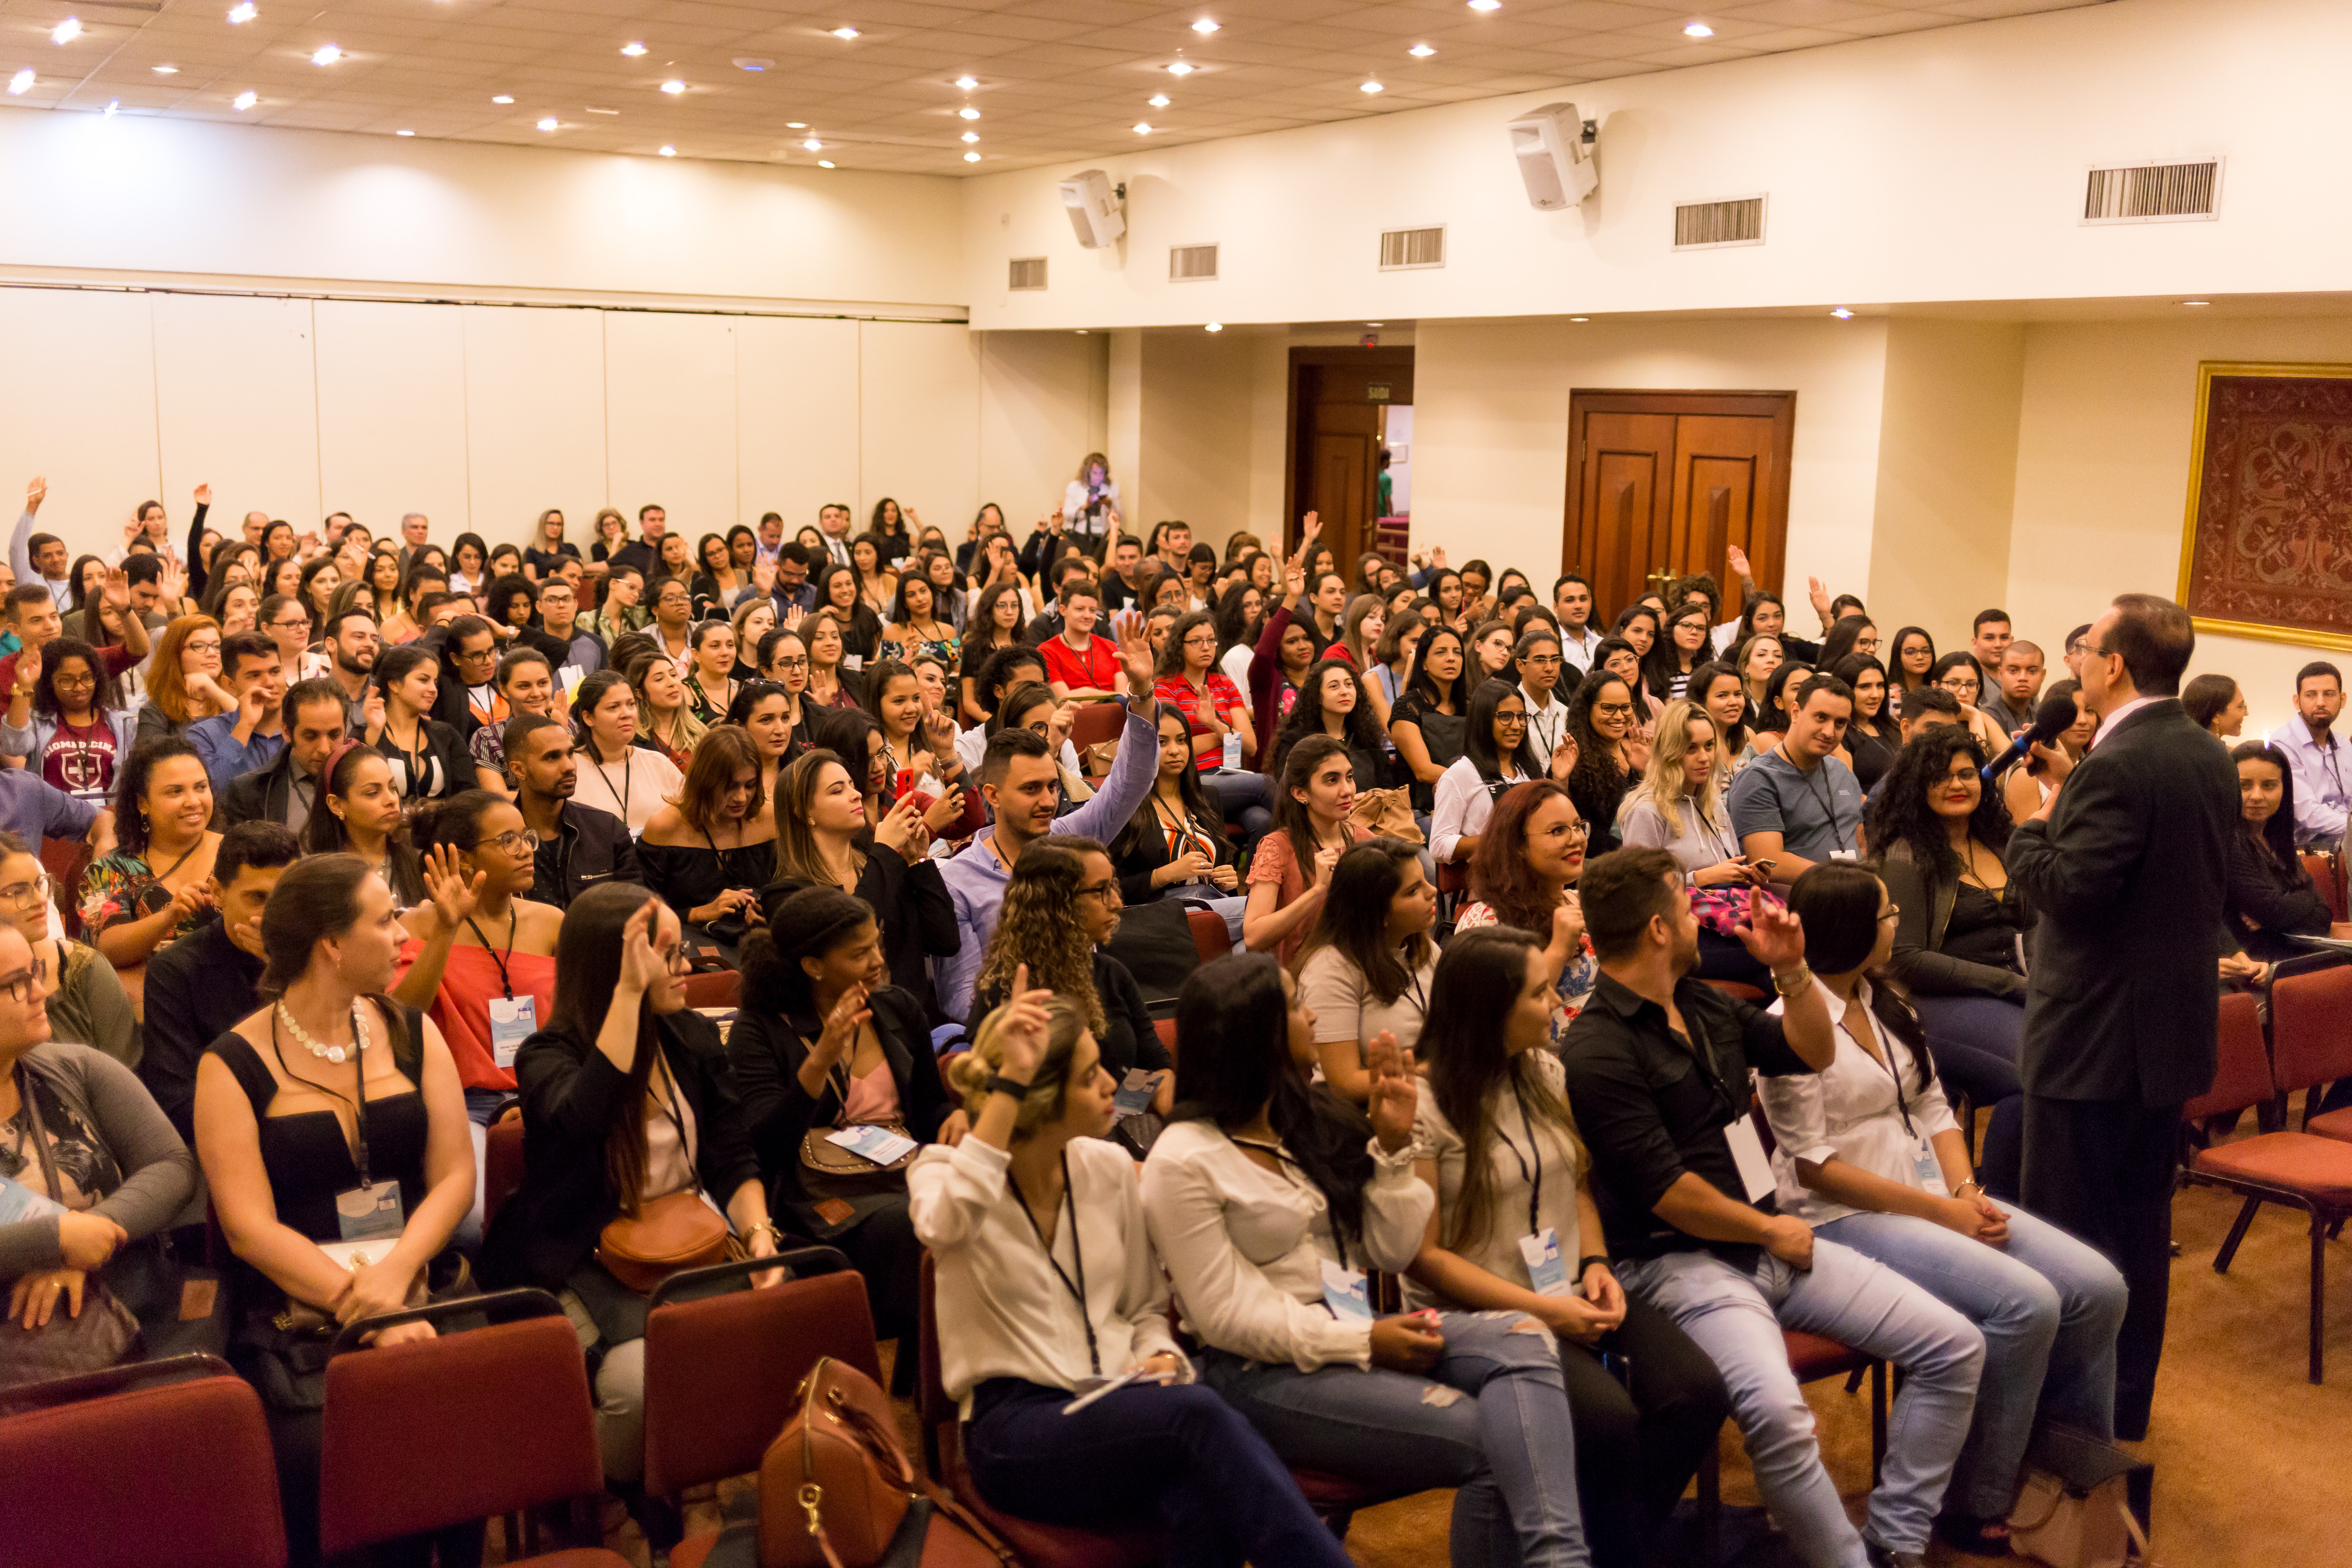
371	713
1023	1027
116	589
36	492
173	582
204	494
1310	527
1059	723
1737	558
454	898
1135	651
1294	581
1774	937
794	615
1563	757
763	576
1394	1092
641	966
839	1042
1818	595
28	670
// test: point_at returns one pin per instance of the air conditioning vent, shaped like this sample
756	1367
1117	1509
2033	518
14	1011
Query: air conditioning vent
1191	263
1706	226
2153	193
1027	272
1404	247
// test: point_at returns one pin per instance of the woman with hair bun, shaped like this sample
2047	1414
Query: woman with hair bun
1048	1287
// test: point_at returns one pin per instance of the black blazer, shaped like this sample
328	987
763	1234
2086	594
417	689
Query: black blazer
548	1228
2127	879
259	797
2269	902
766	1051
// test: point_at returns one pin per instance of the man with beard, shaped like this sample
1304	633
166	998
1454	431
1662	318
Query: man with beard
352	637
578	846
287	791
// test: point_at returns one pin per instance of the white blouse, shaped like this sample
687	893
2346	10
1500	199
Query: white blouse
632	789
1245	1246
1848	1112
1003	1310
1513	1158
1461	806
1346	1008
1700	844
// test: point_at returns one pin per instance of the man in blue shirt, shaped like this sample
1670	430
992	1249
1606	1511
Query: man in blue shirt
248	740
2318	760
1797	806
1021	780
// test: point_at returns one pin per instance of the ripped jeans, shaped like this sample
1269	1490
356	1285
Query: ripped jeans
1490	1420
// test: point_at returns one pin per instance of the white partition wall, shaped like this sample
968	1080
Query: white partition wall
534	418
919	397
236	399
78	408
796	416
392	411
669	418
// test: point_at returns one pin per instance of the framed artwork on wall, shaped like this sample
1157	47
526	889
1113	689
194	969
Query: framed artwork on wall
2266	552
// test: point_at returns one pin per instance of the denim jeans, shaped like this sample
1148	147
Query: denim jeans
1246	798
1226	907
1976	1041
1736	1315
2048	1306
1508	1449
1179	1457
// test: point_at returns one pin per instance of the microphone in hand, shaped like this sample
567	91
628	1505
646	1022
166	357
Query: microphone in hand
2052	719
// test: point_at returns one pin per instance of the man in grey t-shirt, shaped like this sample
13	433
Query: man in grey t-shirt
1798	806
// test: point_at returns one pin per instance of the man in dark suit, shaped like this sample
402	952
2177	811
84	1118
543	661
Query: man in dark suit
2125	866
287	791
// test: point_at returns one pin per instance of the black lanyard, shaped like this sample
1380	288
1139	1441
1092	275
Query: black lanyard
628	786
1886	1045
1827	797
1535	1182
506	984
359	1069
1077	1288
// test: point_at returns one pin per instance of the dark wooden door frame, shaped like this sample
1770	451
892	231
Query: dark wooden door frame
1398	357
1772	502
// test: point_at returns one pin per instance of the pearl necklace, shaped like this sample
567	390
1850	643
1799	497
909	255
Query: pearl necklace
337	1054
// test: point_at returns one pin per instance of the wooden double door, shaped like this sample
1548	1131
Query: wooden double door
1662	484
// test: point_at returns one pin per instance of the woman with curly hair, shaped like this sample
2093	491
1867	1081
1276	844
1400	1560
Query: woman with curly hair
1601	719
1531	856
1938	833
1334	701
1061	905
159	876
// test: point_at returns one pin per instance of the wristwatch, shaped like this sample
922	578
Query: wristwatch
1798	978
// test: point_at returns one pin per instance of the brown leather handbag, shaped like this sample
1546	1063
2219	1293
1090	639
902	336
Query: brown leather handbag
1385	813
836	1487
672	1233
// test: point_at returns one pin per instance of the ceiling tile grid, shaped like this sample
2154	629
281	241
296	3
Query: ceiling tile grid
1053	81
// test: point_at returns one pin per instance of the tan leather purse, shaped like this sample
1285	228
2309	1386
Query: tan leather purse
673	1233
1386	814
836	1487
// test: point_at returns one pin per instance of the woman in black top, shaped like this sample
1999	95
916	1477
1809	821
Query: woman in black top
1601	718
625	1103
328	1088
429	762
1175	845
1331	701
2270	898
838	1047
861	629
1430	723
709	852
1873	737
1939	835
548	546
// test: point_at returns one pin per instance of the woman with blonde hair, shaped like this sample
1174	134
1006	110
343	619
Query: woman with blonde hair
1678	807
1048	1282
666	717
183	679
824	839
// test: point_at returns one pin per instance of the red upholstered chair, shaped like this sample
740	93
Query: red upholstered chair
723	1372
165	1461
1209	933
2312	1173
2311	1040
1097	722
421	1437
1036	1545
2327	876
1741	989
716	988
502	1163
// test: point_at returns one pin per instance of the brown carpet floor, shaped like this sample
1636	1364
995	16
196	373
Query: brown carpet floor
2251	1460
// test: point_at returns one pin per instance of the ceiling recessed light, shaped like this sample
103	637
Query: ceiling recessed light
67	31
246	99
1376	324
1843	314
1205	26
503	98
1181	68
633	50
2195	304
673	86
667	151
813	144
971	157
1143	128
165	71
1580	317
549	123
1697	30
1214	327
1421	52
824	163
752	63
1369	87
967	83
1158	100
795	124
967	112
592	108
111	105
243	11
972	136
326	54
844	34
1486	5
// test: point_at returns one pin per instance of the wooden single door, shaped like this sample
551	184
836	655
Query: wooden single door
1335	444
1662	484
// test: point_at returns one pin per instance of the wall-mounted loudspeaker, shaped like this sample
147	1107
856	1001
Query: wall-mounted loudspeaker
1093	205
1554	158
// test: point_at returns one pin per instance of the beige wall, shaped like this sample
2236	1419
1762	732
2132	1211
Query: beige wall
1947	474
2103	456
1197	423
481	415
1043	405
1490	427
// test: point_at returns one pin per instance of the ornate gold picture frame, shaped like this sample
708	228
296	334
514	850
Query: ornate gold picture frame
2266	550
